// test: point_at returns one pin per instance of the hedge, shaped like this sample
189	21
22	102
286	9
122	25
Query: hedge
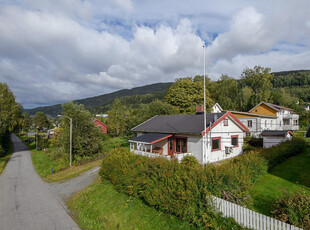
183	189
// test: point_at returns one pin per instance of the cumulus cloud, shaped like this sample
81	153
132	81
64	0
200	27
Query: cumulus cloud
53	52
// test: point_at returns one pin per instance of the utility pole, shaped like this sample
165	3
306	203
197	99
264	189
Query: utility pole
70	136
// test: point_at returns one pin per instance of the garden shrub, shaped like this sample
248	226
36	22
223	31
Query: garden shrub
293	209
180	189
278	154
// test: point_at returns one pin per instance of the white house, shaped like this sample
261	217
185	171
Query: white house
287	119
275	137
175	136
216	108
255	122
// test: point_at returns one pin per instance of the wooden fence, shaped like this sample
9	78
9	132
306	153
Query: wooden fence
249	218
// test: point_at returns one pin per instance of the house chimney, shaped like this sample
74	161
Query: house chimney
199	109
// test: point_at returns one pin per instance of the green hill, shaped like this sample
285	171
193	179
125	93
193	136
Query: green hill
100	104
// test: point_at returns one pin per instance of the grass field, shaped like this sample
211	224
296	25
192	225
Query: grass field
100	206
6	158
292	175
71	172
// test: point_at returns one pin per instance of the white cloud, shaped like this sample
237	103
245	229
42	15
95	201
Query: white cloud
53	52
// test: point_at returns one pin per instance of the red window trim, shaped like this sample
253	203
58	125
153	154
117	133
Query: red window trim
215	138
225	122
175	146
235	146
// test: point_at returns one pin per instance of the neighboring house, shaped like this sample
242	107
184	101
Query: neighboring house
101	125
287	119
216	108
180	135
275	137
255	122
102	115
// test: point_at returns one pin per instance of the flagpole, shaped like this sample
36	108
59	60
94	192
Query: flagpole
204	105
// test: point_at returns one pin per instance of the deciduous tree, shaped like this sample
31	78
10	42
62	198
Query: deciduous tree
186	93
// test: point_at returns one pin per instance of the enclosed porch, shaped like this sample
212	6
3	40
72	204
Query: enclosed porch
158	145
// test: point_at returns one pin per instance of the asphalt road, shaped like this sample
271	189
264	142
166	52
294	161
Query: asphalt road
26	202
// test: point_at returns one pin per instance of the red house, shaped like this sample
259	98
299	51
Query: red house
101	125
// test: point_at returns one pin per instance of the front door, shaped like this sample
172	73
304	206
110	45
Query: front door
170	146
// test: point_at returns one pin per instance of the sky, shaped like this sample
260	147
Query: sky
55	51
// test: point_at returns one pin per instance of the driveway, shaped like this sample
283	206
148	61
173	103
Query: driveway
26	202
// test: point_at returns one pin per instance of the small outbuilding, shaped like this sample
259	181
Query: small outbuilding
275	137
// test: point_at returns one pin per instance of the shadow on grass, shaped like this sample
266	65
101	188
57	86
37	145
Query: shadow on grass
296	169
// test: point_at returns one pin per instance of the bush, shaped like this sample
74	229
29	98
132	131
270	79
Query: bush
293	209
278	154
181	189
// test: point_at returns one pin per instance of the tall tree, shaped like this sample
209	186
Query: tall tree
186	93
226	91
10	113
40	121
85	135
259	81
117	121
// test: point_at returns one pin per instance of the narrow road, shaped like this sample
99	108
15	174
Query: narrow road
26	202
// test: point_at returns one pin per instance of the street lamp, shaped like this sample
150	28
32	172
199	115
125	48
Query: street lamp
70	136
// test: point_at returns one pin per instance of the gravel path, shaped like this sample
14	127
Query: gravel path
26	202
66	188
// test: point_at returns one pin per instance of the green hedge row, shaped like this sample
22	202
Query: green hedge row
278	154
183	189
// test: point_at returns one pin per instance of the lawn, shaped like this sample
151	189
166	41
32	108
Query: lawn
292	175
71	172
100	206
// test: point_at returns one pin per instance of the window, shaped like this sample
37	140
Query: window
234	141
216	143
170	143
225	122
250	123
271	123
265	123
295	122
180	145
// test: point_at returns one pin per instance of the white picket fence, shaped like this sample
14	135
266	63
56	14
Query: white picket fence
249	218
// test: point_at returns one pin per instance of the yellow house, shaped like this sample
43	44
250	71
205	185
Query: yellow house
287	119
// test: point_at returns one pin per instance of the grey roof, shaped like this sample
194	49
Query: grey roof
275	107
275	133
186	124
150	137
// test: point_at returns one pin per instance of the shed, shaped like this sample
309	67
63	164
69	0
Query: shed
275	137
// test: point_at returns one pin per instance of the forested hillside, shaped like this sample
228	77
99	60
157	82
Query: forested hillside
102	103
296	83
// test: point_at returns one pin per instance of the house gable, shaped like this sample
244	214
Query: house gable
231	118
264	108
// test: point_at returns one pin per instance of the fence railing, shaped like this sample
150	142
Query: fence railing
249	218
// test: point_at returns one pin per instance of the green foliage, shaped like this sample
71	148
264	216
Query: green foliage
226	91
278	154
293	208
182	189
40	121
85	135
186	93
117	119
259	81
102	103
26	122
10	114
